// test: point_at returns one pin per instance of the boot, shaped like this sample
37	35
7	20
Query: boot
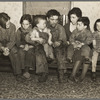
61	76
93	77
84	71
43	77
26	74
75	68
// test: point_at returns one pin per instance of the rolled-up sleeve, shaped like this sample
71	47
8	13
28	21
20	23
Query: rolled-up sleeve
62	34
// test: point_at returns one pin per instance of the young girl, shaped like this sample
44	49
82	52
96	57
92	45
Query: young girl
41	32
81	38
96	45
25	50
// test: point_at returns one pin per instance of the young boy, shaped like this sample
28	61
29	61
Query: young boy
42	35
80	39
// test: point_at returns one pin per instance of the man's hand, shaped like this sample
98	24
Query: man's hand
26	48
56	44
41	41
22	46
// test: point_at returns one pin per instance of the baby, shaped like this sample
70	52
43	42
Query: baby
42	35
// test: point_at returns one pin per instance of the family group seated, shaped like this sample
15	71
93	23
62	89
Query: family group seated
43	39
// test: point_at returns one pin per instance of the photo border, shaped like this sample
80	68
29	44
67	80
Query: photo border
23	11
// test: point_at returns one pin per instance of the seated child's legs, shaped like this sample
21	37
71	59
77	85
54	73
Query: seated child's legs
76	67
46	49
70	52
85	52
21	54
94	64
49	51
94	61
84	72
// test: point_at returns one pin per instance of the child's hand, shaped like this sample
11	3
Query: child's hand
77	42
26	48
56	44
6	51
67	42
75	45
79	46
21	46
50	42
41	41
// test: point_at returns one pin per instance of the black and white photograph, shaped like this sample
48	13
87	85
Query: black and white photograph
49	49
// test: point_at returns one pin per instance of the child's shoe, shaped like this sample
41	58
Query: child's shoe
43	77
73	79
26	76
80	79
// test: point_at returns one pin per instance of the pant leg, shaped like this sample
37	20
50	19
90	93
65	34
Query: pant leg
30	58
84	71
46	49
41	62
85	51
76	67
70	51
94	60
14	58
77	55
21	54
50	52
61	57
